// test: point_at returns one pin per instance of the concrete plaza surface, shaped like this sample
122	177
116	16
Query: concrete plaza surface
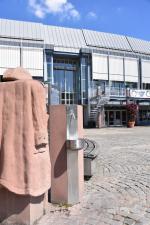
119	192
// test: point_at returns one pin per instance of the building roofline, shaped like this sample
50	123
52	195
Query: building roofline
68	37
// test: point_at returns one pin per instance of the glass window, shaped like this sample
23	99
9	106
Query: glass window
144	115
69	81
48	58
59	79
146	86
117	84
84	72
131	85
66	64
84	94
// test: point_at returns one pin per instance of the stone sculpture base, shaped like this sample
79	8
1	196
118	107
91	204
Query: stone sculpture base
67	166
19	209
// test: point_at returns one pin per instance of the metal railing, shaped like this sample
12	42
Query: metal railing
107	91
96	91
116	92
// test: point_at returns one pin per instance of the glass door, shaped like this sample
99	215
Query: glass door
111	118
66	78
69	87
124	117
117	117
65	81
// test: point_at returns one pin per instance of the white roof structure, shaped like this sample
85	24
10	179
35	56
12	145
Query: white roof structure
70	39
106	40
139	46
64	37
21	29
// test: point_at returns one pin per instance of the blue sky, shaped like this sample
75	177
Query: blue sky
128	17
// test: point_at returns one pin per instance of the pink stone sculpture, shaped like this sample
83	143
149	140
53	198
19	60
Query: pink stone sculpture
24	151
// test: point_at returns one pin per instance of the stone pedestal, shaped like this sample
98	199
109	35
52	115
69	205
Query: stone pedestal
19	209
66	122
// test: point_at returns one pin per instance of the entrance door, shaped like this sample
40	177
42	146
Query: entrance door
65	80
124	117
115	117
111	118
69	87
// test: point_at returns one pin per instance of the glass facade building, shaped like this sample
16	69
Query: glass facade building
100	71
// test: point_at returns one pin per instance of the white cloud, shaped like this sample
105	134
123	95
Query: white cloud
92	15
63	8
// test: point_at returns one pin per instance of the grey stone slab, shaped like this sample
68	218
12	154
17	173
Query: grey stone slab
119	191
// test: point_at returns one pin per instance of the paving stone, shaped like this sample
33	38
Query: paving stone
119	191
129	221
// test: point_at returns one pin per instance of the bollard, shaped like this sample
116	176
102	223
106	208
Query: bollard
66	133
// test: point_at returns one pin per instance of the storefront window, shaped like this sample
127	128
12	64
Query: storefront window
144	115
117	117
117	84
131	85
146	86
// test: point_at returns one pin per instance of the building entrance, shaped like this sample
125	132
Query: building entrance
66	79
115	117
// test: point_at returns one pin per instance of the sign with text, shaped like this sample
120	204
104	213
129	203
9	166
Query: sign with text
139	93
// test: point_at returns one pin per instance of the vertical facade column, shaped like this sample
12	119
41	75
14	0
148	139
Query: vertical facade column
21	54
83	81
48	67
140	85
45	66
85	85
83	93
108	71
124	80
48	73
52	69
89	86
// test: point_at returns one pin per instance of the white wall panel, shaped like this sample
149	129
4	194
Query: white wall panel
146	80
100	76
131	79
32	58
99	67
116	77
145	71
116	68
36	73
9	57
131	67
131	70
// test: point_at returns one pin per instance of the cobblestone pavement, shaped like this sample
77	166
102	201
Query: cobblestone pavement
119	192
